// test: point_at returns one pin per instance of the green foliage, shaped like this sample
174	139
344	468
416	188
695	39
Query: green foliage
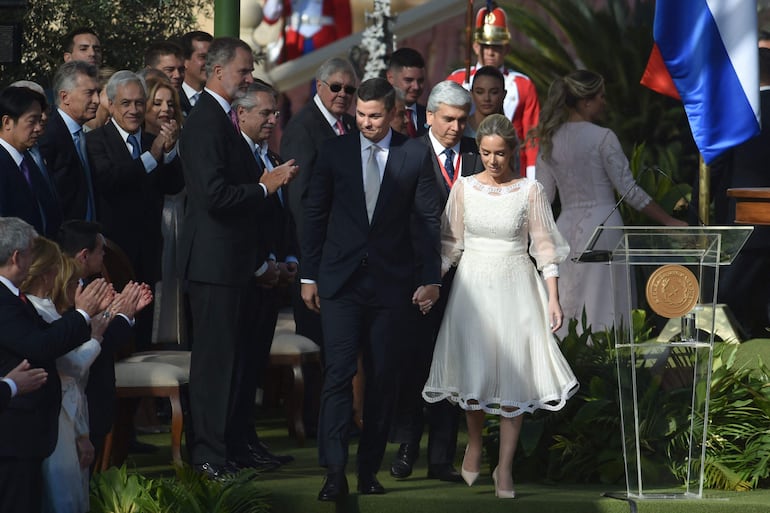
738	444
614	40
117	491
125	28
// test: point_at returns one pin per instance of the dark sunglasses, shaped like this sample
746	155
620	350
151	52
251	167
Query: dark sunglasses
336	88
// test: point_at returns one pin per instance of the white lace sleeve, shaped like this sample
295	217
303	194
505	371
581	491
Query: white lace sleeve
619	173
77	362
546	244
453	227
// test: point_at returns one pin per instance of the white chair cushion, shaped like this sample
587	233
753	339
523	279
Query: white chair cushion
179	359
148	374
289	343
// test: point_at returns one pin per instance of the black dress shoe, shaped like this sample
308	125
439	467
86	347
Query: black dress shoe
215	472
253	461
335	487
444	472
368	485
260	450
402	466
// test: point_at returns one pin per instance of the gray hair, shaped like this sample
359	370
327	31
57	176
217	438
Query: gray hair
222	51
335	65
67	76
15	235
449	93
249	100
122	78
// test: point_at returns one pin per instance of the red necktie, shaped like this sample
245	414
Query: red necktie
411	130
234	120
340	128
23	298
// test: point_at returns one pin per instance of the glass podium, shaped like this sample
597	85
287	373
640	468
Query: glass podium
664	374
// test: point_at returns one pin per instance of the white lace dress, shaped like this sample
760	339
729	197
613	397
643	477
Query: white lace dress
587	167
495	347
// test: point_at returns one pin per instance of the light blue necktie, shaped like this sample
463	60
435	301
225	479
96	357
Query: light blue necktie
80	146
135	148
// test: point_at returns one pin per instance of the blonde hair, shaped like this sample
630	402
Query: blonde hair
153	85
563	95
70	270
46	256
500	125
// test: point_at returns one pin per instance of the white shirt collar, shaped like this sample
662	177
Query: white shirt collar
438	148
249	141
330	118
124	135
15	155
188	90
220	100
13	288
383	143
72	125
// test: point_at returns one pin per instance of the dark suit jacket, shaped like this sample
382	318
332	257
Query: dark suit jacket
219	243
278	221
422	120
30	423
470	163
5	395
65	167
184	102
130	200
338	236
33	203
302	139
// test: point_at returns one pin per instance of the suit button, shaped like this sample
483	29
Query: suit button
365	261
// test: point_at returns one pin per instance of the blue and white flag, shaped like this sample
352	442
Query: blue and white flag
709	48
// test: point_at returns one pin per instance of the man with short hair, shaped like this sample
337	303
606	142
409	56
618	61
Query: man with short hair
452	156
29	425
166	56
25	192
132	171
305	134
195	46
371	219
82	44
406	72
221	252
521	106
64	144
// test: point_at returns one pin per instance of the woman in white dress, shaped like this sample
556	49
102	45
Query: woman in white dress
50	287
586	163
495	351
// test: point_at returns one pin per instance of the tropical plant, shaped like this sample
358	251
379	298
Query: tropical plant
614	40
117	491
125	28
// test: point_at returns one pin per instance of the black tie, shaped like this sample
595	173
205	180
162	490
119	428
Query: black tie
449	164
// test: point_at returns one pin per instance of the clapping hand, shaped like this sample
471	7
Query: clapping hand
127	302
169	131
95	297
425	297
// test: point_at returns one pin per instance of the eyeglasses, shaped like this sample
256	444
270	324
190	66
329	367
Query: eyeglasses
267	113
336	88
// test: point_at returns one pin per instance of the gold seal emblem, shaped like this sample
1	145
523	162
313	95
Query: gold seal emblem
672	291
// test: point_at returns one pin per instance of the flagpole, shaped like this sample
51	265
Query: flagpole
468	40
704	190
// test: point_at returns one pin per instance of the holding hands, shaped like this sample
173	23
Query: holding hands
425	297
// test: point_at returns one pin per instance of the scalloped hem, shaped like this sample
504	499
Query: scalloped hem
495	406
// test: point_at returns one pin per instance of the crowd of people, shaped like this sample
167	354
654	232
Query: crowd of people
417	243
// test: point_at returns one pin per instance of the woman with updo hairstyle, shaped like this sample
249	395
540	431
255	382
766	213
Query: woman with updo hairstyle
495	352
65	471
586	164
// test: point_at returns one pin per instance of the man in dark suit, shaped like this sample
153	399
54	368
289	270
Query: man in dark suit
195	46
406	71
257	117
448	108
63	145
132	171
20	380
220	253
359	252
746	165
25	191
304	136
29	425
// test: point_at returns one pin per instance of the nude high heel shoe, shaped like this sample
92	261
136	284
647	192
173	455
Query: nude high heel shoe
468	476
502	494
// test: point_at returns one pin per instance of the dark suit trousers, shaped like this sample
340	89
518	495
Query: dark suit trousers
308	322
408	417
224	326
21	485
353	320
743	286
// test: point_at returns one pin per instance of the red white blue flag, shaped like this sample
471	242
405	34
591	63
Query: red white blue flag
706	51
